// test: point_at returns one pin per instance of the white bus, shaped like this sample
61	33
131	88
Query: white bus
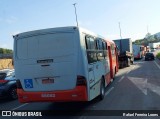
60	64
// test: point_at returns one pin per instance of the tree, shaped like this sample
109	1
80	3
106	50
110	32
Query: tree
147	35
138	42
147	39
1	50
157	39
5	51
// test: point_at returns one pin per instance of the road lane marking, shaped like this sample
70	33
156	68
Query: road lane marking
128	72
154	88
20	106
109	91
140	83
157	64
121	79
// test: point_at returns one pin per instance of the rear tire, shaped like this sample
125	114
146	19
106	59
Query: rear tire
128	62
13	93
114	73
131	62
102	90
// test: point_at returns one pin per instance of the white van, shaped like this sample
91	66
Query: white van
137	51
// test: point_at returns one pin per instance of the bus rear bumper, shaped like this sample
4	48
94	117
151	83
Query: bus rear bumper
77	94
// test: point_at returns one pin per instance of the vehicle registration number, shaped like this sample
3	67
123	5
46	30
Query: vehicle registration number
48	95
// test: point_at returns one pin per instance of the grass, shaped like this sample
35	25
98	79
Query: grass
6	63
158	55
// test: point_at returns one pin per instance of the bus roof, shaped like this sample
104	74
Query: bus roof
43	31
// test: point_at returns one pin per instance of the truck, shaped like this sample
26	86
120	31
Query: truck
154	46
125	49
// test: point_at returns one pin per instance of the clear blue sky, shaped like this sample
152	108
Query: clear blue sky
99	16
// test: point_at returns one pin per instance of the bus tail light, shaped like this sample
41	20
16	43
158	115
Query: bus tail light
81	80
138	55
19	85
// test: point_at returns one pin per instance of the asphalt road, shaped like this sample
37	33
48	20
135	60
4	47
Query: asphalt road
135	88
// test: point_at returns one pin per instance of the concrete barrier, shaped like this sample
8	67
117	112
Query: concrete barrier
6	56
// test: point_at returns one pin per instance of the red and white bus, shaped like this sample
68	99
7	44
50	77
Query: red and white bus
63	64
113	57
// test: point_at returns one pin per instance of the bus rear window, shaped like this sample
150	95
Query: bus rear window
49	45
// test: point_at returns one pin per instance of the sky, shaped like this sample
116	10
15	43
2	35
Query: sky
99	16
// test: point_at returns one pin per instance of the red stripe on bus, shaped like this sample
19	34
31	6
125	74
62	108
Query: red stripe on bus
77	94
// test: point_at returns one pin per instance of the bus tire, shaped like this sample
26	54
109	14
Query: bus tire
13	93
114	73
102	90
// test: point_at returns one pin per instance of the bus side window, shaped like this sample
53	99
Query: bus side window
87	42
112	49
91	49
100	53
105	49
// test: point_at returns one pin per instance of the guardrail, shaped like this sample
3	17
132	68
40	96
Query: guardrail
6	56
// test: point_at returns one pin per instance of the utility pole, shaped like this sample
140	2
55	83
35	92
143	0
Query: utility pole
75	13
120	30
147	29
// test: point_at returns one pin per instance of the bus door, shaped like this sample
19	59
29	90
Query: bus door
110	60
99	66
92	59
116	53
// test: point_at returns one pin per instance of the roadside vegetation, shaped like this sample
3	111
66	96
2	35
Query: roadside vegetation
147	39
5	51
6	60
158	55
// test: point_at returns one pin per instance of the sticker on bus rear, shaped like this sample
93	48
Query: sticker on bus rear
28	83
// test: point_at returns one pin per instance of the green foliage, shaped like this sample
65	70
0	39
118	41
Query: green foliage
5	51
137	42
148	35
148	39
158	55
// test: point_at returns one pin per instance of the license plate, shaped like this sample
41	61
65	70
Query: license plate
48	95
48	81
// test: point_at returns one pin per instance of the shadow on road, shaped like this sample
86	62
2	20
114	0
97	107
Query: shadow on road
5	100
73	105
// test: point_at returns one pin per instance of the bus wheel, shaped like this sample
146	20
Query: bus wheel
132	62
13	93
102	90
115	70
